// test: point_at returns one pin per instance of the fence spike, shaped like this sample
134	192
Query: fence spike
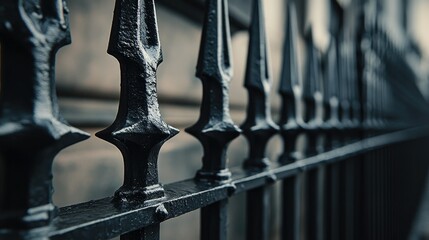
344	85
312	95
331	81
138	131
290	87
355	88
313	99
215	128
290	74
331	91
258	126
32	130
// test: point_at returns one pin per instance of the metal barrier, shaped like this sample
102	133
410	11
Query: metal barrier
359	174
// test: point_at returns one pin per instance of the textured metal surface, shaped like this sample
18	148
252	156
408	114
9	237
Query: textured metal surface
32	130
215	129
290	89
345	167
258	127
291	125
103	220
138	130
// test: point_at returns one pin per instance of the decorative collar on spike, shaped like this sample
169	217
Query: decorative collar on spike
290	89
311	83
312	91
138	131
290	82
215	128
32	131
290	75
258	126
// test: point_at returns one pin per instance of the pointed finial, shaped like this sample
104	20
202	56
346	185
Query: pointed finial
215	128
138	131
215	60
258	126
344	83
331	89
355	102
32	130
312	93
335	17
290	88
290	77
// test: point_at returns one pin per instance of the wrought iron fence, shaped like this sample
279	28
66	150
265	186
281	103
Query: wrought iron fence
359	174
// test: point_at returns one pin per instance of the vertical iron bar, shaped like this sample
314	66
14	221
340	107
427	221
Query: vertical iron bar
32	131
138	131
214	221
147	233
332	96
215	128
258	213
331	124
336	134
354	107
258	127
311	204
334	221
312	95
321	203
291	114
350	197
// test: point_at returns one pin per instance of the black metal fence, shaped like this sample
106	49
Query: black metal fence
358	174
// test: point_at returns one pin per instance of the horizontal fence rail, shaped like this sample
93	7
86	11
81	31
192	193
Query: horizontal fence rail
102	219
352	122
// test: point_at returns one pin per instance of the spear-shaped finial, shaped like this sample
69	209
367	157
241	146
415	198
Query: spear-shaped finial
331	77
330	89
32	131
335	18
290	88
290	77
215	129
313	98
138	131
258	126
355	103
344	84
312	94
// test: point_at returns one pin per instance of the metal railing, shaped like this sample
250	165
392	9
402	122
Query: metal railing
359	173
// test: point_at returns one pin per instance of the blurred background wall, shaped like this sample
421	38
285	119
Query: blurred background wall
88	87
